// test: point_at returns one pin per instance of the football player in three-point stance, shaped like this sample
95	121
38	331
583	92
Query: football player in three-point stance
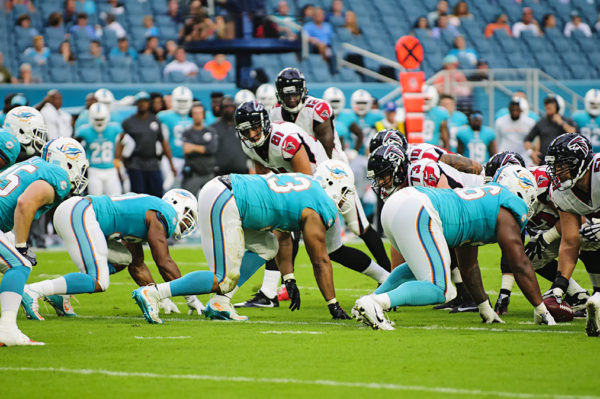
28	126
30	189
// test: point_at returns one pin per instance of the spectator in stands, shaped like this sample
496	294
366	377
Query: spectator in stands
527	22
180	64
116	9
547	129
9	5
443	26
199	149
441	8
597	25
460	11
82	28
58	122
548	22
70	14
218	67
307	13
467	57
352	24
231	159
87	6
320	34
451	81
512	129
482	71
170	50
5	75
66	52
26	75
148	23
282	17
24	22
157	103
55	21
421	25
197	25
173	12
337	15
577	24
38	53
123	50
115	26
501	22
152	48
97	53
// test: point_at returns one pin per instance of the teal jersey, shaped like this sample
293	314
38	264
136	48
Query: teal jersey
9	148
455	122
82	119
343	133
209	118
2	117
469	215
476	143
124	216
504	111
268	202
589	126
100	147
177	124
432	123
14	181
366	123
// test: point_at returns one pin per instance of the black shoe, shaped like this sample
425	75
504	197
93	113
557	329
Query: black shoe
465	307
259	300
501	306
577	301
449	305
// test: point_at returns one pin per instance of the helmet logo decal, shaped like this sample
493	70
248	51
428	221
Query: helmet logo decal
578	144
24	116
71	151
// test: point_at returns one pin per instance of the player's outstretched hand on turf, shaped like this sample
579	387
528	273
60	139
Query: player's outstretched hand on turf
28	254
194	304
337	312
292	290
487	314
168	306
543	318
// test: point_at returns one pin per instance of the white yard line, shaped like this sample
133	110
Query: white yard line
295	381
180	337
279	332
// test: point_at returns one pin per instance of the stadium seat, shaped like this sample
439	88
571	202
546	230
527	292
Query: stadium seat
562	44
348	75
205	76
557	72
56	60
146	60
149	74
90	75
175	77
580	71
109	39
588	45
545	58
159	7
59	74
120	74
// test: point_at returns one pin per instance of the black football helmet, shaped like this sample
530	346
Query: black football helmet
499	160
291	82
571	151
250	115
387	161
387	137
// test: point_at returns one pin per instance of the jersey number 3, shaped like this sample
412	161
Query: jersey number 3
298	183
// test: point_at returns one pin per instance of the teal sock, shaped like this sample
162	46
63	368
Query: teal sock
416	293
198	282
398	276
251	262
14	279
79	283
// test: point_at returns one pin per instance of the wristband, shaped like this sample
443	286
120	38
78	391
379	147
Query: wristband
540	309
485	305
289	276
21	245
551	235
332	301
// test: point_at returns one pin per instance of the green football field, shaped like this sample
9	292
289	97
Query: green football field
110	351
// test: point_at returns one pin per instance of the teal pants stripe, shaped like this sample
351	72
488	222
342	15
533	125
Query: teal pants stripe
216	215
83	239
432	250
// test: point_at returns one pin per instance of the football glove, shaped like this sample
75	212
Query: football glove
543	318
590	232
168	306
556	292
194	304
487	314
536	246
292	290
337	312
28	254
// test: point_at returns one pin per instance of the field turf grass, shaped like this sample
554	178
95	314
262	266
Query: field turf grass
110	352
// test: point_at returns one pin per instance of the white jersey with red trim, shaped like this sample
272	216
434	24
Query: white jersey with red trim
283	143
545	215
427	173
425	151
567	201
315	111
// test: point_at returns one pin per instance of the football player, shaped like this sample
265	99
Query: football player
476	141
266	95
435	126
175	121
443	219
335	97
588	121
28	126
30	189
238	214
99	138
104	235
9	149
285	147
456	119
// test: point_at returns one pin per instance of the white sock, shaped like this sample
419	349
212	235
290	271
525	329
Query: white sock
231	293
574	287
595	279
164	290
271	283
58	286
376	272
383	300
508	281
9	305
455	276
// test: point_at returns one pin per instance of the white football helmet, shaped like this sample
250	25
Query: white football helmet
186	206
520	182
592	102
432	97
335	97
69	155
99	116
182	99
337	180
105	97
28	126
266	95
361	102
243	96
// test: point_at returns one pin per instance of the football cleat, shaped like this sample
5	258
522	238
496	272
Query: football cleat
367	311
592	326
29	302
61	304
501	306
12	336
219	308
282	294
465	307
147	299
577	301
259	300
449	305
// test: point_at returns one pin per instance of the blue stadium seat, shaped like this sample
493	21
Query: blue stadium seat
134	7
580	71
56	60
536	44
205	76
120	74
146	60
557	72
149	74
509	45
546	58
90	75
159	7
587	44
116	60
109	39
562	44
80	45
175	77
168	32
59	74
348	75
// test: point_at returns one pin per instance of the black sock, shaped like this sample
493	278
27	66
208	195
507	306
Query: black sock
271	265
504	291
375	245
560	282
295	245
549	271
351	258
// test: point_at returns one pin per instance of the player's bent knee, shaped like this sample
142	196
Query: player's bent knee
103	283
